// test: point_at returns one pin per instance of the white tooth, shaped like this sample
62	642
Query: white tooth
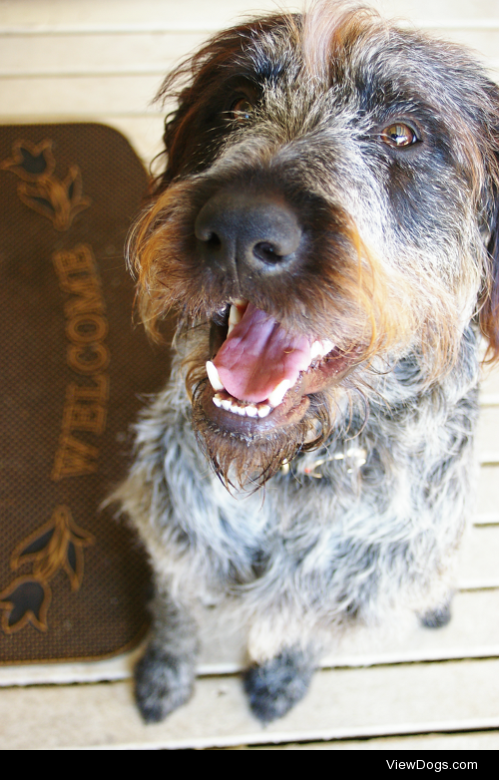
226	404
251	411
212	372
263	411
278	393
315	350
217	401
236	312
235	315
320	348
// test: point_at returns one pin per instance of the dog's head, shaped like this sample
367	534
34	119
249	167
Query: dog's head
327	203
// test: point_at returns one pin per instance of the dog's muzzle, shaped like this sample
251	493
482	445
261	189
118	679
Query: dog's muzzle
260	374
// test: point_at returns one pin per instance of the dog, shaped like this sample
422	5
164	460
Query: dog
325	229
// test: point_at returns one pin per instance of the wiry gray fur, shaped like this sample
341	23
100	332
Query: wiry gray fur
369	522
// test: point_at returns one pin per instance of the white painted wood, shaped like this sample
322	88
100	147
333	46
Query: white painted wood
485	740
487	439
449	26
71	98
479	560
472	633
62	55
490	381
417	698
488	494
489	399
129	14
198	14
140	53
487	519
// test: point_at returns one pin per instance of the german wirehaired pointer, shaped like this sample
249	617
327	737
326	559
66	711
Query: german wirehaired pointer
325	231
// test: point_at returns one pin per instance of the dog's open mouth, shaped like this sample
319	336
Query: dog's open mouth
262	374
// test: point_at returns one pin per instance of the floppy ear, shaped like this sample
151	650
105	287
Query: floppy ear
191	129
489	303
196	128
489	313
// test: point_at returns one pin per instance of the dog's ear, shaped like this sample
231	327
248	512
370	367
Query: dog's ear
187	137
489	311
489	143
199	86
489	304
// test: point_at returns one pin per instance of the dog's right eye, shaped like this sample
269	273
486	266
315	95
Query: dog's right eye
241	110
399	135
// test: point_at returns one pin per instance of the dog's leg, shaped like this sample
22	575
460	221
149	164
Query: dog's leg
276	685
164	675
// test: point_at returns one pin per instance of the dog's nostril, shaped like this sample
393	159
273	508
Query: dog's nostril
213	241
266	252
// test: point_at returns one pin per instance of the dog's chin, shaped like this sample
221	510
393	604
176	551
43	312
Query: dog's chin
247	451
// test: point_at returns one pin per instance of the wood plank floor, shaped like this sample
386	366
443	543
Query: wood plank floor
104	61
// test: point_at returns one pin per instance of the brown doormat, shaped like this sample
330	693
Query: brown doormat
74	372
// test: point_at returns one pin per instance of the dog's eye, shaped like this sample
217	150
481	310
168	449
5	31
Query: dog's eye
241	110
399	135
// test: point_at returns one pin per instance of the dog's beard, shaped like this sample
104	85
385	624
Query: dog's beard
247	451
246	459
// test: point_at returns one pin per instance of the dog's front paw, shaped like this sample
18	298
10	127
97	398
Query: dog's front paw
437	618
163	682
277	685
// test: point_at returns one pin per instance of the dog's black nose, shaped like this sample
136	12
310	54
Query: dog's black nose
240	227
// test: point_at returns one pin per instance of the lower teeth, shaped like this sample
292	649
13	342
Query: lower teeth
242	409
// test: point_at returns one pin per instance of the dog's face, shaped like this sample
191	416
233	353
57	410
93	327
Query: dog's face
330	182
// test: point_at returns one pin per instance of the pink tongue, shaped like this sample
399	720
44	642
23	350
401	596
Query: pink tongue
258	355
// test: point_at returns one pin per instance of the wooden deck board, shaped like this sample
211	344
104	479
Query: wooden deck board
488	493
474	740
78	97
148	52
342	703
83	14
21	55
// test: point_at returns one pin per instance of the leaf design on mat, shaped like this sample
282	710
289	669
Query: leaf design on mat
26	600
30	161
32	197
59	201
73	560
58	544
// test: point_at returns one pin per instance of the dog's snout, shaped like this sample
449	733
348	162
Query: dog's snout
254	230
